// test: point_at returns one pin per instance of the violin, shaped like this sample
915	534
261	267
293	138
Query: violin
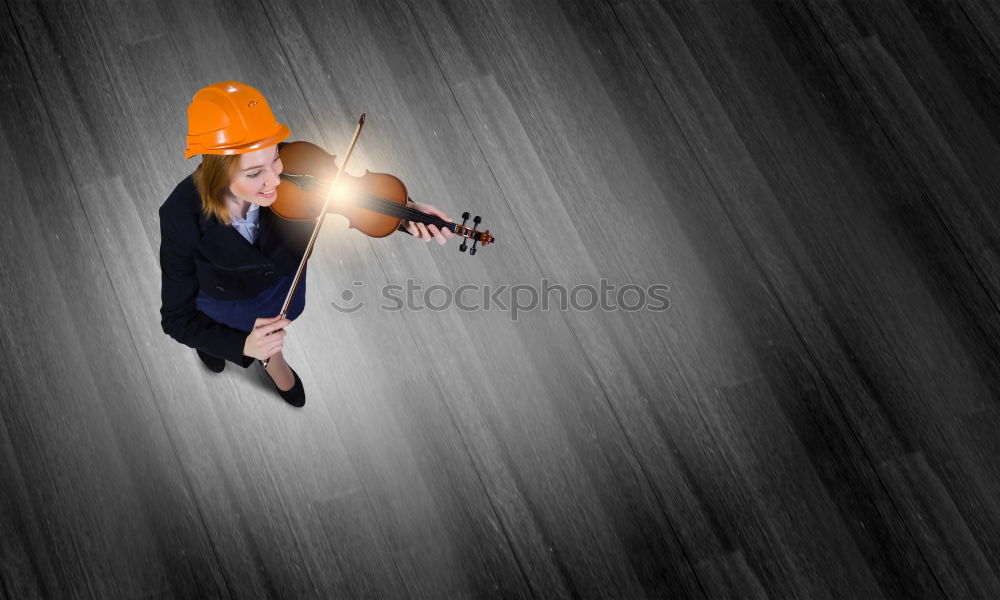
374	203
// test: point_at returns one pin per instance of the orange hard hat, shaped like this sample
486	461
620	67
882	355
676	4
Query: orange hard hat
230	117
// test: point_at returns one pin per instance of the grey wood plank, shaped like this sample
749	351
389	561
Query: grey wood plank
960	565
765	226
975	493
359	566
24	571
920	375
947	146
954	157
730	577
963	60
880	61
984	17
534	69
91	448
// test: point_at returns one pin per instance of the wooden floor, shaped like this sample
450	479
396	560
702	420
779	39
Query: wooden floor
814	416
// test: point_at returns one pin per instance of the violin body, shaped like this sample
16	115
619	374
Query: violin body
375	203
297	202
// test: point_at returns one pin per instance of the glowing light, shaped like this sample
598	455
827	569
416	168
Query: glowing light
340	192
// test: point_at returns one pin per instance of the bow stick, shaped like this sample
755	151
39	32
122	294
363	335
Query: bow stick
319	223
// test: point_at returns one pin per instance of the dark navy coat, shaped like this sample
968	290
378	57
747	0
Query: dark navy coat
199	254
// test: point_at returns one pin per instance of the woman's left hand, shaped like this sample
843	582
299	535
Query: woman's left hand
427	232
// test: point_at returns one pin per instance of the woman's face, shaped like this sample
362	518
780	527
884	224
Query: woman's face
257	174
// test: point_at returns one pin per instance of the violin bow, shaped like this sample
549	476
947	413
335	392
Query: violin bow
319	224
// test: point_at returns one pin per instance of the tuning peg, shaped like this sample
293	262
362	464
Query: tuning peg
465	217
475	224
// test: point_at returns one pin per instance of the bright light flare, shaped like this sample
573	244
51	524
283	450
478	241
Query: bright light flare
341	192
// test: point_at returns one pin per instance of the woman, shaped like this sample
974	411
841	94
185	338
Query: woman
227	260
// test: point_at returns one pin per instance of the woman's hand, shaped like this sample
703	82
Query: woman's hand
427	232
267	337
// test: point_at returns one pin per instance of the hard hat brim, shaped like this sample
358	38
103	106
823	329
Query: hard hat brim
282	133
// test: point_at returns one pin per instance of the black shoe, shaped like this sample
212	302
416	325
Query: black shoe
213	363
295	396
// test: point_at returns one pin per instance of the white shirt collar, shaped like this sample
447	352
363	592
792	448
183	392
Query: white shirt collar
251	214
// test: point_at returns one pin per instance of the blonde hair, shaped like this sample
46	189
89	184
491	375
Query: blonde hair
212	179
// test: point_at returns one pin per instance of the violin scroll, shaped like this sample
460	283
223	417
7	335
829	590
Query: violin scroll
470	233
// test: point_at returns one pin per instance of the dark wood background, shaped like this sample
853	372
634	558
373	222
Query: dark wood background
815	415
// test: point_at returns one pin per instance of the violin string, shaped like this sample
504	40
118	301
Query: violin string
388	207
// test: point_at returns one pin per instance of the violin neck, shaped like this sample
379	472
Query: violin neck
427	219
386	207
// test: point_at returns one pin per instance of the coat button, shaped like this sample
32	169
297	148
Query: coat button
220	288
268	273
